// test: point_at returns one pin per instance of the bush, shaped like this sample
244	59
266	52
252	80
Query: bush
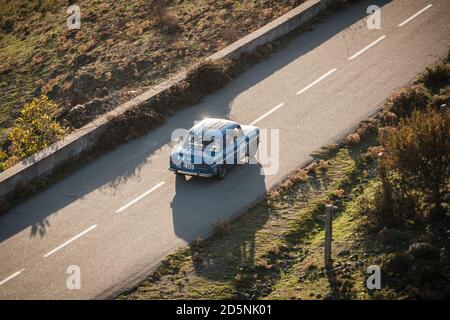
436	77
221	227
312	168
209	75
404	101
375	152
424	251
385	204
36	128
3	158
442	98
353	139
323	165
417	152
388	118
416	278
392	236
300	176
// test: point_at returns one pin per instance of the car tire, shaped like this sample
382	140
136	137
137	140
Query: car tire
222	172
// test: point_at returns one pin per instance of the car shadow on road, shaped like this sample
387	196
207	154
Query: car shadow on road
199	203
211	204
117	167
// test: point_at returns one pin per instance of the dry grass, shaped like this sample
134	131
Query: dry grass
127	44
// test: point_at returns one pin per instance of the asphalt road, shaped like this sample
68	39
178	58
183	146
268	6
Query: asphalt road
79	222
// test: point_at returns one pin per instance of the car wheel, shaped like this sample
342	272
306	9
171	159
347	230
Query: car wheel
222	172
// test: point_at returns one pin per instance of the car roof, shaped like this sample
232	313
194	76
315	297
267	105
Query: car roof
213	123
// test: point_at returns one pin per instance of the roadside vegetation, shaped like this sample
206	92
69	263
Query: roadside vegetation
389	182
123	48
35	129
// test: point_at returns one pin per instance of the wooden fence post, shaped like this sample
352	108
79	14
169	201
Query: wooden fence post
328	234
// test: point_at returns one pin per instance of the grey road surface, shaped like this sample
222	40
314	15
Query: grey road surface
117	217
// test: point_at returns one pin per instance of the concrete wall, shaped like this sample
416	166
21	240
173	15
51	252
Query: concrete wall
81	140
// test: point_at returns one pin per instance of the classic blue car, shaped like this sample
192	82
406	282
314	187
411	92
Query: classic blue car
211	146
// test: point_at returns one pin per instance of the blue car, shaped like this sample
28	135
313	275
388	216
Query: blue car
208	148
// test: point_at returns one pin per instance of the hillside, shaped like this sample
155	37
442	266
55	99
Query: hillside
123	46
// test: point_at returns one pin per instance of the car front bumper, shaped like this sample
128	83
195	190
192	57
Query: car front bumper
191	173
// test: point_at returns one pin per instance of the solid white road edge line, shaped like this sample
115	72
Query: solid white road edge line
11	277
317	81
129	204
366	48
266	114
415	15
70	241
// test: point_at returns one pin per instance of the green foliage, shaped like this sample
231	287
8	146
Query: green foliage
36	128
3	158
387	204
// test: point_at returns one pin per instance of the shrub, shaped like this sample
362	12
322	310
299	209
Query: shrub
323	165
388	118
436	77
386	204
374	152
337	194
442	98
273	250
396	263
36	128
262	264
416	278
312	168
221	227
404	101
392	236
367	127
199	244
209	75
353	139
299	176
424	251
3	158
417	152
